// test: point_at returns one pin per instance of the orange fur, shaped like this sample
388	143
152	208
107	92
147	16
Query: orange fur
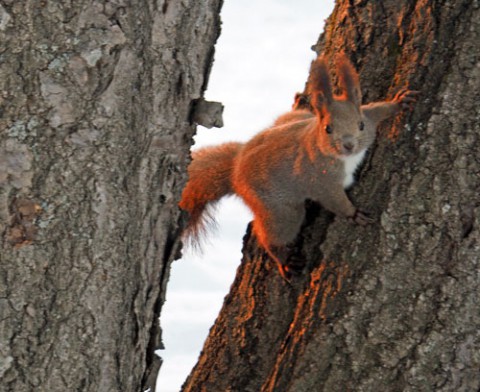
209	180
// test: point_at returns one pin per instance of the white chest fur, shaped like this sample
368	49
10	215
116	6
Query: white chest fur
351	164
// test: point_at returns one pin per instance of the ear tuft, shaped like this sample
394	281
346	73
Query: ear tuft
319	85
349	80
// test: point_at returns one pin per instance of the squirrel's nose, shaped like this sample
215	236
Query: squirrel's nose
348	143
348	146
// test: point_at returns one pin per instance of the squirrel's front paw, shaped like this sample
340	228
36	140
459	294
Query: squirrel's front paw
361	218
406	98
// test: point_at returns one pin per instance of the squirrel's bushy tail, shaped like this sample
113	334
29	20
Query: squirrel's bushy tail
209	180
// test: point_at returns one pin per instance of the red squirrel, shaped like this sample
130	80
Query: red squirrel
311	152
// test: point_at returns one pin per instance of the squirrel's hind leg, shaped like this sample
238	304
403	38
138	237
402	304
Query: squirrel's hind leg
276	230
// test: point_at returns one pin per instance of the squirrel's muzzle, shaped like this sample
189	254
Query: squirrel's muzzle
348	145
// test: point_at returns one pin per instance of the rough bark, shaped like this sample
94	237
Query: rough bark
95	100
392	306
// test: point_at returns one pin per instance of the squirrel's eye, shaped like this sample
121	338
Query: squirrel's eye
361	126
328	128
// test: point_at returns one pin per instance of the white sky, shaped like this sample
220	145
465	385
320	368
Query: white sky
262	58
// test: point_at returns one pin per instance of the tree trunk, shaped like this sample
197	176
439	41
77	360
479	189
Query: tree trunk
392	306
95	100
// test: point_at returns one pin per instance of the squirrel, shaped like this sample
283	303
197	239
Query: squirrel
311	152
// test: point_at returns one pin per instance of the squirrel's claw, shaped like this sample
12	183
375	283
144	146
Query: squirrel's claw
361	218
406	98
285	273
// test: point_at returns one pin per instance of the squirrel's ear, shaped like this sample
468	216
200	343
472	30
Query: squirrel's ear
319	103
319	83
348	80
